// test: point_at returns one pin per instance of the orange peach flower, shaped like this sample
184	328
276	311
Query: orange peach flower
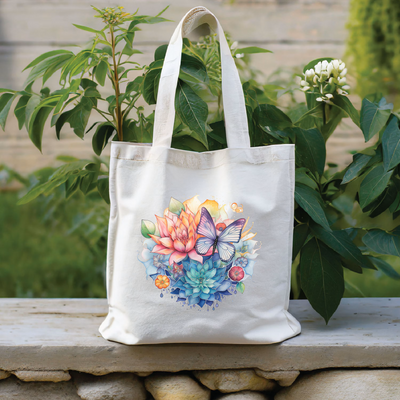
162	281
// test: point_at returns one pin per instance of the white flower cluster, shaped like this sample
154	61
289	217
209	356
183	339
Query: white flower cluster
327	77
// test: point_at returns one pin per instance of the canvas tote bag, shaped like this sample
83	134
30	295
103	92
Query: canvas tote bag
200	244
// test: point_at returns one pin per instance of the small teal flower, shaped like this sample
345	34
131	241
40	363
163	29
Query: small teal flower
241	262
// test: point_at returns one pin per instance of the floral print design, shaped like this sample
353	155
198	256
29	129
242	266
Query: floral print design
170	257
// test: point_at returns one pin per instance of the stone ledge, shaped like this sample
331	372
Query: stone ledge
62	335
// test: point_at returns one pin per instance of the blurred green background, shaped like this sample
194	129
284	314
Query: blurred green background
41	257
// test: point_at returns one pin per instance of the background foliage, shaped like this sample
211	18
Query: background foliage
373	46
345	220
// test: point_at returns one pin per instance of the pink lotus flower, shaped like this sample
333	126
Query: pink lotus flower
177	236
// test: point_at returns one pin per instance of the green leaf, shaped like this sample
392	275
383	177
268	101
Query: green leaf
240	287
160	52
383	242
77	118
391	145
385	267
352	290
74	85
300	234
335	117
252	50
147	228
134	86
19	110
384	201
311	202
340	242
59	176
45	56
86	182
186	142
101	72
41	68
71	186
352	266
373	117
308	116
345	105
373	184
250	96
193	69
103	188
321	276
270	118
138	133
87	29
175	206
218	133
76	65
61	61
396	203
7	91
127	50
32	103
313	63
192	111
154	20
66	159
358	165
148	91
101	137
304	176
92	92
86	83
310	150
39	118
6	100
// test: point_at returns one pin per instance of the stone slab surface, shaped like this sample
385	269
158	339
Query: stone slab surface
62	334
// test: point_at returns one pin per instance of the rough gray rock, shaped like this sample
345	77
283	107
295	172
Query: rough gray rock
284	378
246	395
43	376
14	389
227	381
345	385
117	386
175	387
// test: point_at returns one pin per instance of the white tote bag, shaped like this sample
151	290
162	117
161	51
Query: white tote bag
200	244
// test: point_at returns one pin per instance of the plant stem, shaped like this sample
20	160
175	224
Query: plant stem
116	87
102	113
323	113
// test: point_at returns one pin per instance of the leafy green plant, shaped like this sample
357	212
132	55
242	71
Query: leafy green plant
373	45
329	233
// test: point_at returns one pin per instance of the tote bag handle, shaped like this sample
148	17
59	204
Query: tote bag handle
237	131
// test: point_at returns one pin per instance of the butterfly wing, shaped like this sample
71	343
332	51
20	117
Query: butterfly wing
226	251
206	225
232	233
203	244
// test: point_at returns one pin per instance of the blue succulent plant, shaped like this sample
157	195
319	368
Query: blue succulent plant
202	283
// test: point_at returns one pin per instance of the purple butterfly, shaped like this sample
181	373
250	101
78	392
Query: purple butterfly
220	240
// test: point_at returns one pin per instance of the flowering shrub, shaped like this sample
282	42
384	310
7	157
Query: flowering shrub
329	235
